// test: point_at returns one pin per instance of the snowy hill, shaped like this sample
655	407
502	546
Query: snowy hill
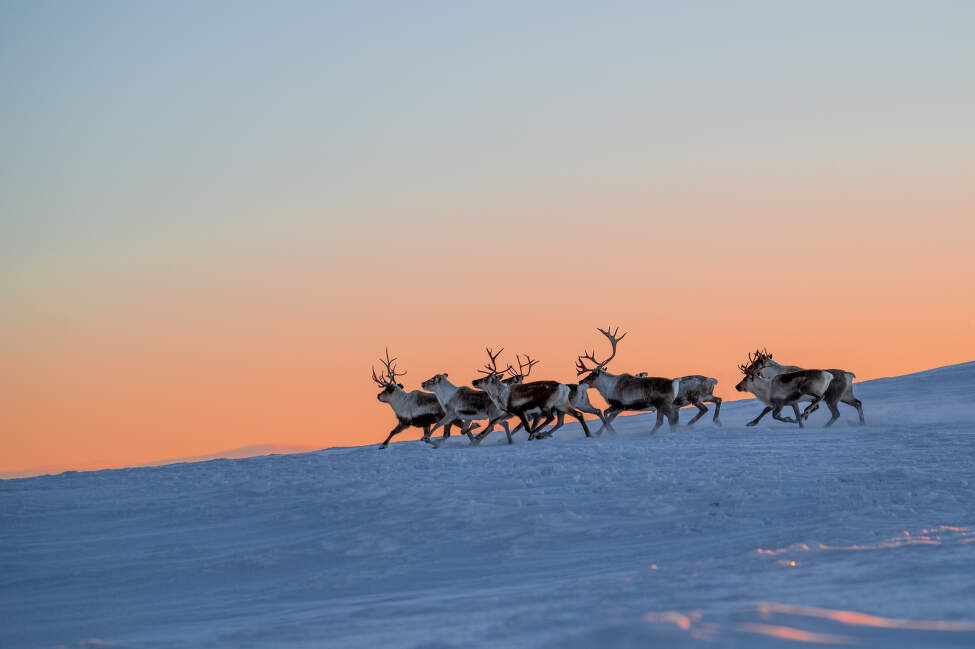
730	537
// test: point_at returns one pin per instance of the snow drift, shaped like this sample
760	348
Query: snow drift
730	537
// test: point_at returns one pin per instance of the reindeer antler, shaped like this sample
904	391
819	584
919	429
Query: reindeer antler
756	361
390	376
524	369
613	340
492	367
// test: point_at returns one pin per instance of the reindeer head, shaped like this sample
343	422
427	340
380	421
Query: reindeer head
753	369
489	381
434	380
387	380
599	366
494	385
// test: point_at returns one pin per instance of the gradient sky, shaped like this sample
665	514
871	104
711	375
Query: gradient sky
214	216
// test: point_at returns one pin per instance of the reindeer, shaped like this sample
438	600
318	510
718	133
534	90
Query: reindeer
466	404
415	408
785	388
695	390
515	378
625	391
520	398
840	388
578	398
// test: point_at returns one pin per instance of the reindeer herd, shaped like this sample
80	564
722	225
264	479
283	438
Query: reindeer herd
505	394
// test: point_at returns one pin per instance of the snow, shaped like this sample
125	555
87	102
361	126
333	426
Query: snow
707	537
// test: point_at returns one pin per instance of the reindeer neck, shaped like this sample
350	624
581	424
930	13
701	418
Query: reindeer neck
444	391
605	383
399	400
501	395
761	389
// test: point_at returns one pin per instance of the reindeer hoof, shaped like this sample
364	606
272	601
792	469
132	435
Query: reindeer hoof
751	423
717	423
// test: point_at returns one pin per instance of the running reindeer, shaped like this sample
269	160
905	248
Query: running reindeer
761	369
549	398
491	367
467	404
625	391
695	390
578	398
414	408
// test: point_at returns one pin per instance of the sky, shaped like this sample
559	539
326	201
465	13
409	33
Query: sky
214	217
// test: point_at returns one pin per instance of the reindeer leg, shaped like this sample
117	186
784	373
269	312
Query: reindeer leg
468	427
535	419
536	426
609	415
834	412
426	434
702	410
598	413
548	420
754	421
400	427
660	421
582	420
795	409
717	409
811	408
465	427
672	414
507	430
504	424
446	429
520	414
490	427
536	431
856	403
777	409
446	419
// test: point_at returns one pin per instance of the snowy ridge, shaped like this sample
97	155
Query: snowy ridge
732	537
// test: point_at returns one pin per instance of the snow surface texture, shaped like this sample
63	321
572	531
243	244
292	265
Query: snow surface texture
730	537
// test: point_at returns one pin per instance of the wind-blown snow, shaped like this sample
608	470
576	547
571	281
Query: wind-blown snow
730	537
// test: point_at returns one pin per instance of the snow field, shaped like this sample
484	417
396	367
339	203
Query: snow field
710	537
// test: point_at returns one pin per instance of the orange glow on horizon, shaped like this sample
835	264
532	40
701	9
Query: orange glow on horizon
275	345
